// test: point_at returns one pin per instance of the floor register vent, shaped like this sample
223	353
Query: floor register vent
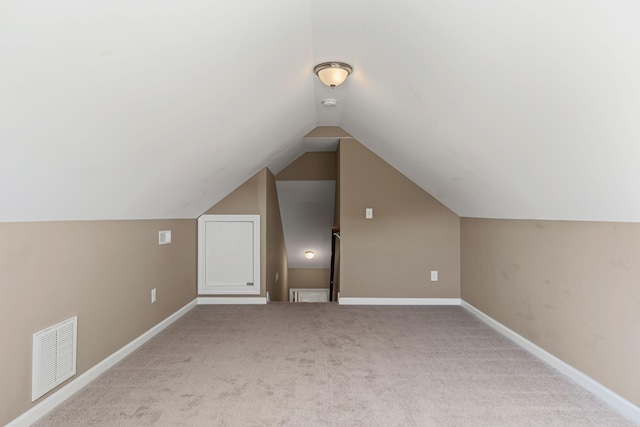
54	356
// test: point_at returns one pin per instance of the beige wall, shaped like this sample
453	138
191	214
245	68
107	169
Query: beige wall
244	200
570	287
249	199
258	196
328	132
309	277
410	234
101	271
312	166
277	271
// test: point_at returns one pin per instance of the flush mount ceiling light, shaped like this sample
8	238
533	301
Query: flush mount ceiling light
309	254
333	74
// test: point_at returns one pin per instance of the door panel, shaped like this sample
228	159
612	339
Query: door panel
229	254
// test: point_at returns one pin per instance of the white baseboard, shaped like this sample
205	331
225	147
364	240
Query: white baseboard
231	300
398	301
48	404
620	403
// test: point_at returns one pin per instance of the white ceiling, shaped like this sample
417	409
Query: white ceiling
147	109
307	208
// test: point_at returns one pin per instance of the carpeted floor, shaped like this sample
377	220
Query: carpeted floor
329	365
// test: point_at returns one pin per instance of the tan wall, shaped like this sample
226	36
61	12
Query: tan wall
410	234
249	199
101	271
328	132
312	166
570	287
244	200
258	196
309	278
277	271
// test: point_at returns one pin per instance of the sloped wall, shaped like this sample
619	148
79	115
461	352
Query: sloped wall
312	166
277	269
411	233
309	277
101	271
249	199
570	287
258	196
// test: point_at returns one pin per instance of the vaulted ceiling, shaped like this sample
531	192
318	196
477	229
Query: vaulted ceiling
155	109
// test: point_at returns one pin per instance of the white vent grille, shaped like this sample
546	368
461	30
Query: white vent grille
308	295
54	356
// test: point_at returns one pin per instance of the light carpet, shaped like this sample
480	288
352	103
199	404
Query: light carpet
328	365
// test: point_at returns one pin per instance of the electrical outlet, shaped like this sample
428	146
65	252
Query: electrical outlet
153	295
434	276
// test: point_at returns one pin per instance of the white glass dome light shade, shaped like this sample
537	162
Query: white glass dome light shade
333	74
309	254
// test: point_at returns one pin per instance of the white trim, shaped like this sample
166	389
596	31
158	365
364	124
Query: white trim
618	402
398	301
231	300
48	404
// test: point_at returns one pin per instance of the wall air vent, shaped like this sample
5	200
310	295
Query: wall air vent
54	356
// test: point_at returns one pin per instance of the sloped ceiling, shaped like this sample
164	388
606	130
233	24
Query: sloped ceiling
307	217
147	109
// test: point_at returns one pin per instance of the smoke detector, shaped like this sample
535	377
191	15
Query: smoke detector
329	102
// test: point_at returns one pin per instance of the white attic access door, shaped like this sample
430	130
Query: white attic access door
229	254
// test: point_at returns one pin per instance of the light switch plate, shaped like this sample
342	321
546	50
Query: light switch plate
153	295
434	276
164	237
368	213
